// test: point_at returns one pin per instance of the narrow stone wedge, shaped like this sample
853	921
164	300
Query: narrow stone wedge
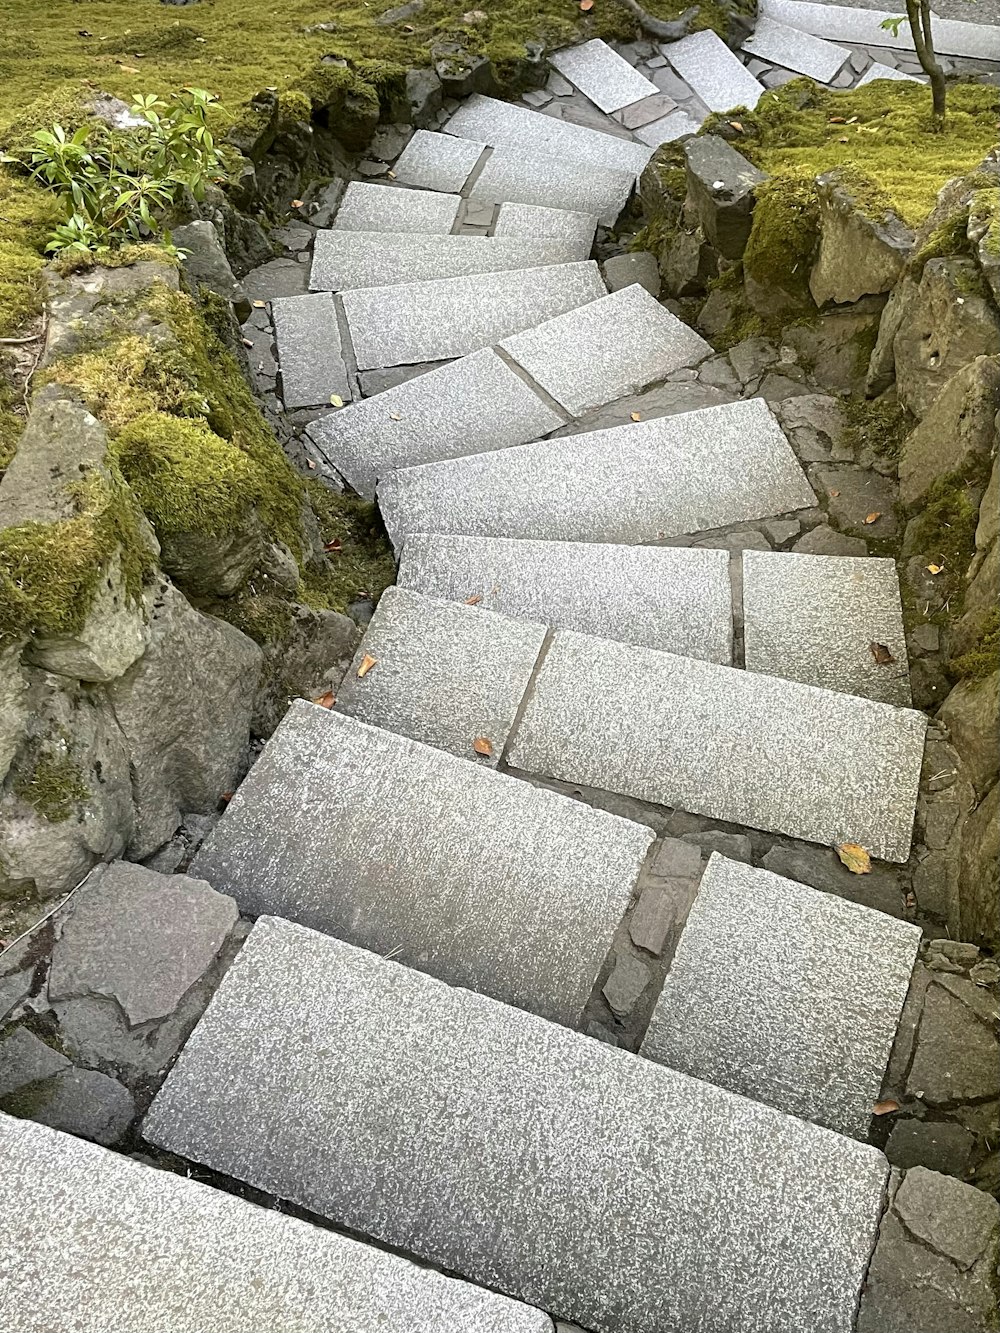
438	161
602	75
553	182
309	350
474	876
880	71
710	70
98	1243
677	599
447	674
535	220
844	23
466	407
502	124
643	482
583	1179
369	207
733	745
449	317
630	341
834	621
781	45
806	1018
343	260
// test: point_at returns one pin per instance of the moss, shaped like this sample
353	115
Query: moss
943	533
783	235
880	425
123	258
26	215
29	1102
263	617
293	107
52	784
362	564
983	659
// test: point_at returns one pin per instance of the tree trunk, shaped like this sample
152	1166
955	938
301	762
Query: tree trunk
918	14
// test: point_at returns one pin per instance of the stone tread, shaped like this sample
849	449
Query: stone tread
858	26
785	995
96	1242
309	350
779	44
399	848
602	75
676	599
519	177
370	207
343	260
498	1146
438	161
713	72
468	406
535	220
450	317
880	71
633	484
732	745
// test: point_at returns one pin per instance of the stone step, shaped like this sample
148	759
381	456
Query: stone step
432	161
450	317
785	995
713	72
580	1178
309	350
676	599
603	75
370	207
504	125
845	23
344	260
880	71
474	876
793	49
96	1242
644	482
563	183
734	745
536	220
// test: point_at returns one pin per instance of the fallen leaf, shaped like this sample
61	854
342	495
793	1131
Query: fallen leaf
335	546
736	125
883	1108
391	175
870	518
326	700
833	494
258	305
366	665
474	600
837	120
297	203
310	464
635	416
854	857
129	69
484	746
336	400
586	5
934	569
395	416
881	654
226	797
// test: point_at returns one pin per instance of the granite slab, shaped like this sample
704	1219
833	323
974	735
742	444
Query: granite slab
98	1243
880	71
466	873
779	44
733	745
607	349
449	317
585	1180
501	124
677	599
602	75
677	125
644	482
448	675
309	350
438	161
369	207
978	41
806	1019
537	220
713	72
815	618
343	260
583	187
468	406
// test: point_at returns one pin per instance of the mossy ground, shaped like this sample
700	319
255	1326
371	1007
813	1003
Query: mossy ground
879	425
982	660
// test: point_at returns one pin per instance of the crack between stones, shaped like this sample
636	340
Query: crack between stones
476	172
347	352
551	403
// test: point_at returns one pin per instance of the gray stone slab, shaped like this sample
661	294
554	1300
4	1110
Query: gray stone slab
863	27
677	125
26	1059
465	407
466	873
787	996
645	112
446	674
604	1188
814	618
139	938
438	161
309	350
558	183
368	207
501	124
676	599
644	482
449	317
711	71
343	260
601	351
734	745
602	75
98	1243
781	45
880	71
536	220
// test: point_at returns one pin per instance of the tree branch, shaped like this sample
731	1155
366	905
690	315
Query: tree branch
666	30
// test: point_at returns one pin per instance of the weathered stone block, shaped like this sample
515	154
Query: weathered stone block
858	255
721	182
958	430
206	265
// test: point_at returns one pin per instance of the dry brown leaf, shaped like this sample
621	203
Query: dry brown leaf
366	665
837	120
736	125
854	857
881	653
884	1107
474	600
258	305
326	700
833	494
934	569
635	416
586	5
484	746
247	342
870	518
226	797
297	203
334	547
391	175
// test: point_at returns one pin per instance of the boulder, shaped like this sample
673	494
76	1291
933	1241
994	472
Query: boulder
184	713
424	95
982	597
721	184
83	307
206	265
971	713
858	255
717	312
979	873
958	429
948	323
829	346
689	264
882	362
13	703
989	511
307	659
984	236
463	72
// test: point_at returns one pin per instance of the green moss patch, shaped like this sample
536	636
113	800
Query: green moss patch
784	232
880	425
983	659
52	784
360	555
26	215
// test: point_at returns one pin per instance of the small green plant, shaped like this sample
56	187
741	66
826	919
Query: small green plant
115	184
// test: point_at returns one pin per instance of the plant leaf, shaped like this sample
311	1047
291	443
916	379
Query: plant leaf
483	746
854	857
367	663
